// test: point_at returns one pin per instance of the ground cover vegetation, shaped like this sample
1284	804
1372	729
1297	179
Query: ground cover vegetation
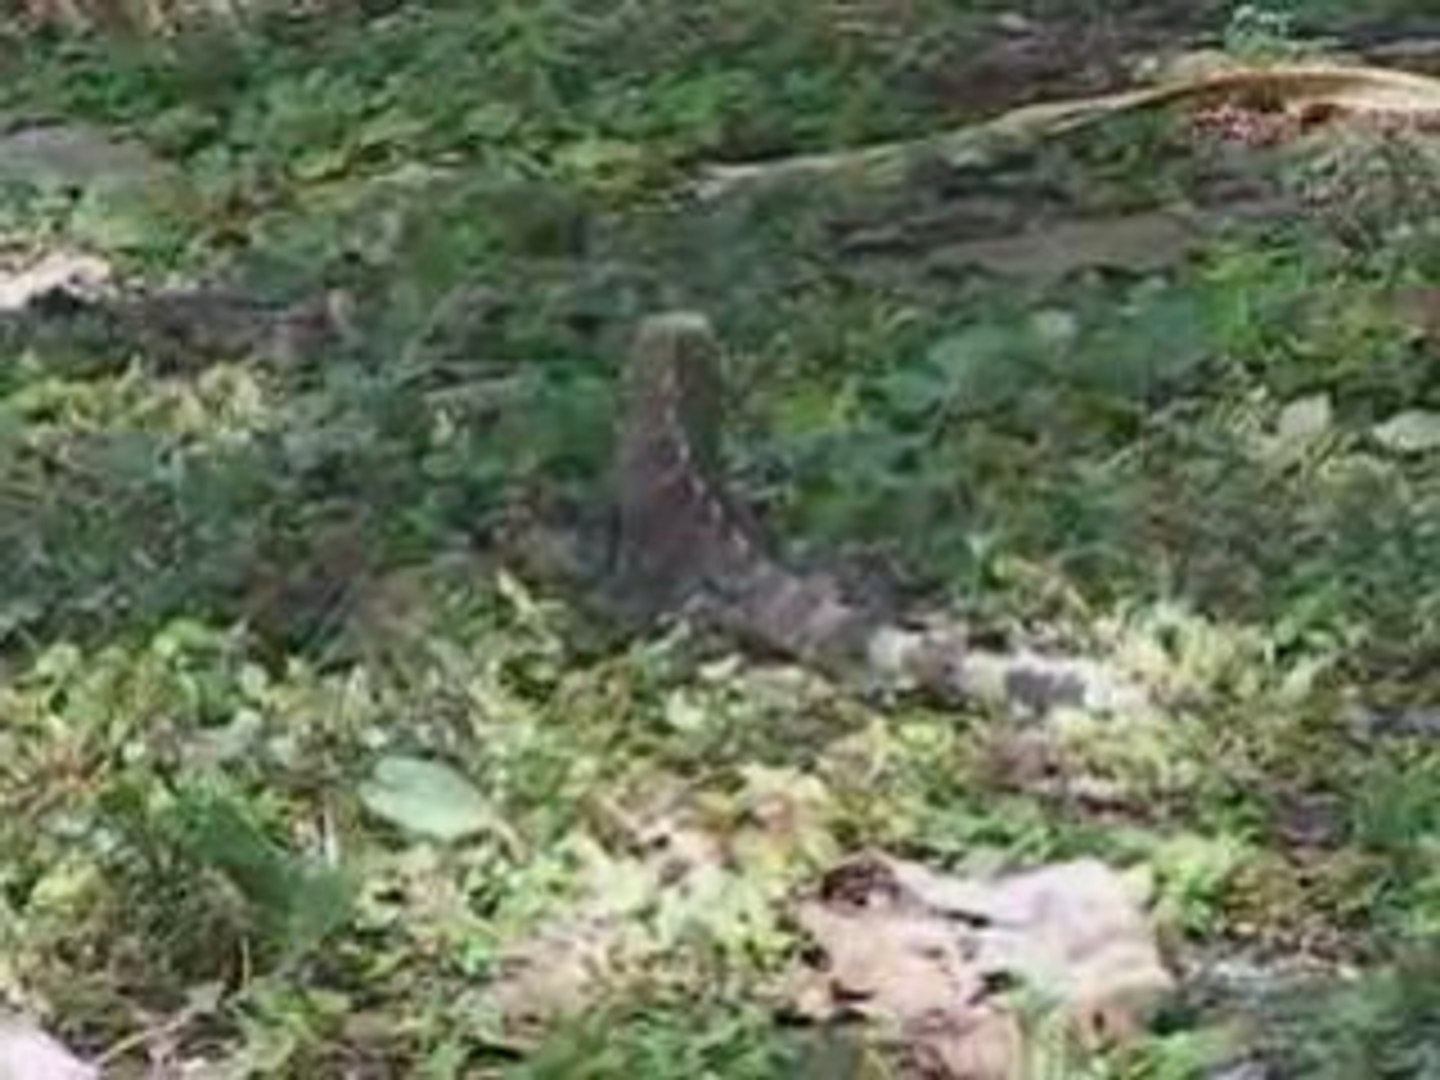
292	754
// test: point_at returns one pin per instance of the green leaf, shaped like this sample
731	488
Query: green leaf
425	797
299	901
133	217
981	367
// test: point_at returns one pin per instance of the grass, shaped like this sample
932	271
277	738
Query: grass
234	586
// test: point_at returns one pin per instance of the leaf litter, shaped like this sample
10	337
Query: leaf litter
933	959
936	962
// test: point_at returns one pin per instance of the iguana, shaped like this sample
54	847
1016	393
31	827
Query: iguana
685	546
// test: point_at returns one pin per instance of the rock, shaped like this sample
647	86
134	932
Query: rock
72	155
27	1053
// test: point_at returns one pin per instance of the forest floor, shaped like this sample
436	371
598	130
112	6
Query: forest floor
300	777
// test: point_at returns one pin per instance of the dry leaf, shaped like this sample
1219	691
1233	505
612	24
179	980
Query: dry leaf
1414	431
924	953
1304	419
553	974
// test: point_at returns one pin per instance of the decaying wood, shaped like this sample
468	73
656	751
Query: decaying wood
182	329
1327	89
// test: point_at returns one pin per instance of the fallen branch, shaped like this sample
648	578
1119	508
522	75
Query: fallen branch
1308	88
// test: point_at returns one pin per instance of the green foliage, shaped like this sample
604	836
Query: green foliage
425	797
1383	1025
247	607
291	904
660	1040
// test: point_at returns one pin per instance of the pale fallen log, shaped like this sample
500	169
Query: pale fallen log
1307	88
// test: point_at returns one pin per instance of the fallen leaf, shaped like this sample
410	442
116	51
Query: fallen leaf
1414	431
926	953
1304	419
553	974
610	933
426	797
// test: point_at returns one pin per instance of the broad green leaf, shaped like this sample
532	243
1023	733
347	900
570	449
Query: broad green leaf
425	797
981	367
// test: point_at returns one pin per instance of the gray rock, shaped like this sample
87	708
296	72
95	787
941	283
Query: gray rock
73	155
27	1053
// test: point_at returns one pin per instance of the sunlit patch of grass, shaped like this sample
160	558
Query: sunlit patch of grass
225	405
